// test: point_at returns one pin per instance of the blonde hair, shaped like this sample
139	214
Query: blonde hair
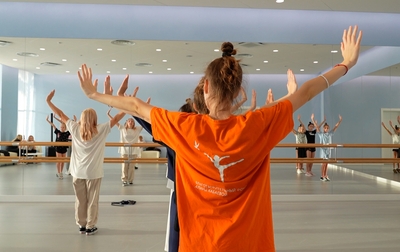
126	124
17	138
88	124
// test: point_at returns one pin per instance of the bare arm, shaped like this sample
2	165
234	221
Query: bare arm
117	118
244	99
391	125
350	47
315	123
322	123
291	87
253	101
55	110
384	126
52	124
112	118
337	124
299	118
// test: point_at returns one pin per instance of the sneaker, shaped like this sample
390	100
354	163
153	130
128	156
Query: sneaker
91	231
395	170
57	174
308	174
60	176
136	167
327	179
323	179
302	170
125	183
82	230
299	171
131	183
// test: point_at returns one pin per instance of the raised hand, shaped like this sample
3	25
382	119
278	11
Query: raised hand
50	95
124	86
107	86
88	87
292	83
350	46
270	97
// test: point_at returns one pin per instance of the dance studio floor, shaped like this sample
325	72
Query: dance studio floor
358	210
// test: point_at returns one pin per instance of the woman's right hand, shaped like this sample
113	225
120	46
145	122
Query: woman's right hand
350	46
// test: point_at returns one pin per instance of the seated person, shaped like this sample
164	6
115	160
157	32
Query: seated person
31	148
14	148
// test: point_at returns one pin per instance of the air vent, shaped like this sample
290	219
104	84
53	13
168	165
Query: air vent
5	43
251	44
143	64
122	42
244	55
50	64
244	65
28	54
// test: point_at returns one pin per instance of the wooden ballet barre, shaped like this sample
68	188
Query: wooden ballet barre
148	144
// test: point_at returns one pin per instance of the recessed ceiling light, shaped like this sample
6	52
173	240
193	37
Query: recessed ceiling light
334	51
258	69
99	49
150	72
191	72
63	60
164	60
37	67
275	50
280	1
315	62
42	49
124	68
15	59
302	70
158	50
67	71
113	60
108	72
216	50
169	69
265	61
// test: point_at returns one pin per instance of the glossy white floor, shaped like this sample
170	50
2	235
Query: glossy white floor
359	210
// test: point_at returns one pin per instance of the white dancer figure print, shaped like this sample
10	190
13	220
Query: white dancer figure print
221	168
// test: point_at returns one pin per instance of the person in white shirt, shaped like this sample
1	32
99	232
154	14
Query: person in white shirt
86	165
129	134
395	140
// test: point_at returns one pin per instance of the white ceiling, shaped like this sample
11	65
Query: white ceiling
185	57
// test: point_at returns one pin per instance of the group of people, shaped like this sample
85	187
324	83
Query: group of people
22	149
221	161
304	136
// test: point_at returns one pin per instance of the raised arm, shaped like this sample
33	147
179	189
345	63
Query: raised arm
315	123
384	126
241	102
291	87
299	119
55	110
253	101
52	124
337	124
350	48
391	125
112	118
322	123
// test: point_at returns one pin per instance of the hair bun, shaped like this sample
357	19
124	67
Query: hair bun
188	100
227	49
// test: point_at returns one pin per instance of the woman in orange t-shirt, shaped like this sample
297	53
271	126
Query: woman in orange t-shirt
222	160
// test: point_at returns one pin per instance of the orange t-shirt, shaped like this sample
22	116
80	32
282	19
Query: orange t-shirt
223	177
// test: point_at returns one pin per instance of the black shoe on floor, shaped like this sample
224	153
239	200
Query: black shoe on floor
136	167
82	230
91	231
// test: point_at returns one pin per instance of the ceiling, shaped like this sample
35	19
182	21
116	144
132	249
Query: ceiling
186	57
